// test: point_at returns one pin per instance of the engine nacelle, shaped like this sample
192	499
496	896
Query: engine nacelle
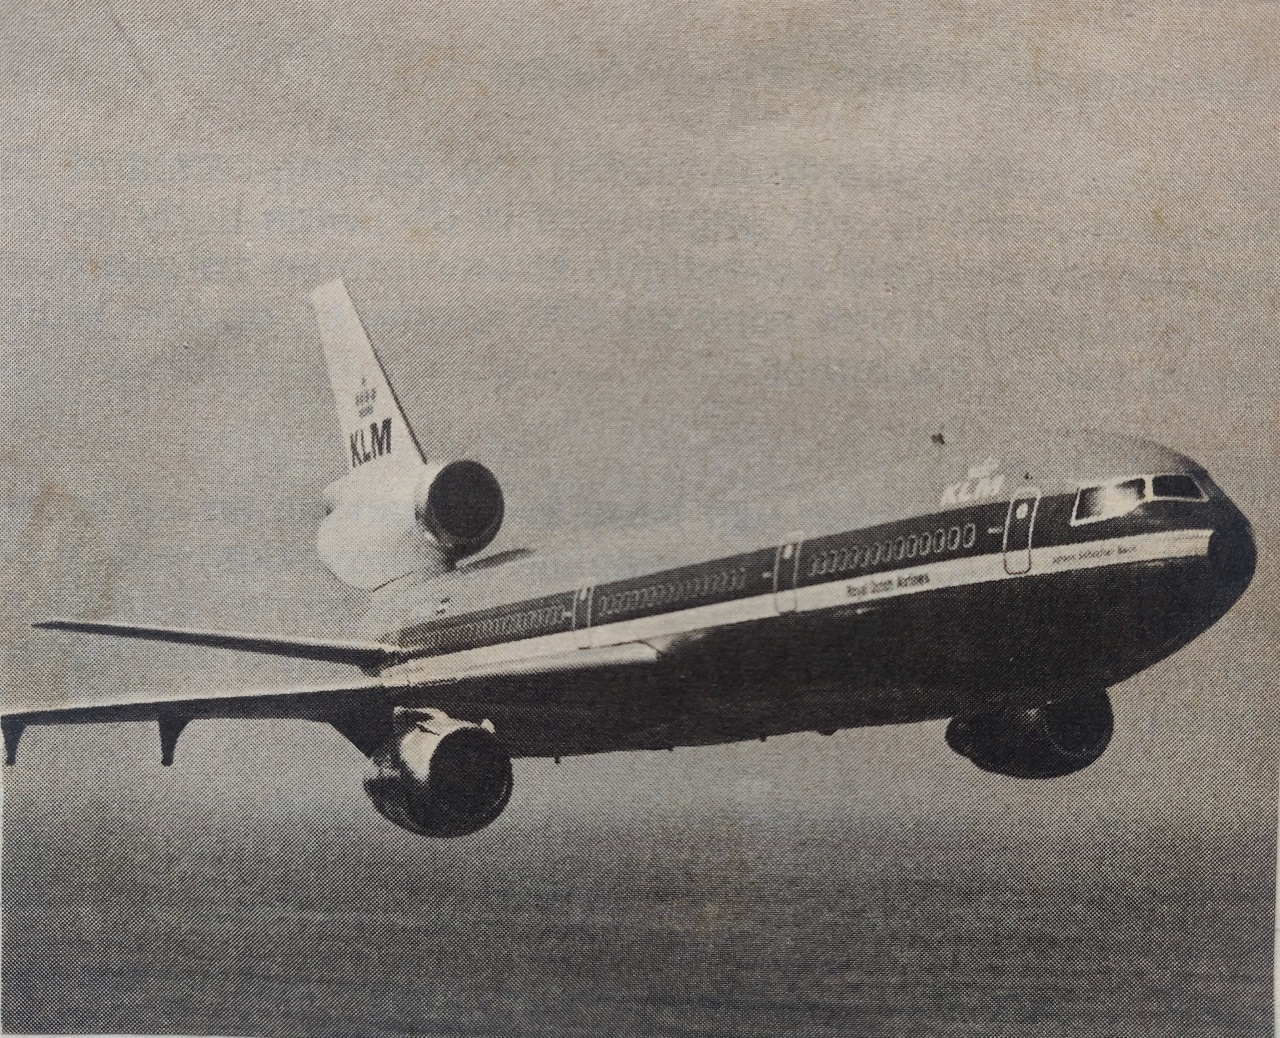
438	776
1043	742
461	506
384	522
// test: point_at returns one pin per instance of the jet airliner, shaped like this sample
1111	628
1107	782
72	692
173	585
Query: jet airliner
1004	585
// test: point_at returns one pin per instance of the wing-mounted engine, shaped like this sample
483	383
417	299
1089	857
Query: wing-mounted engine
438	776
1043	742
384	523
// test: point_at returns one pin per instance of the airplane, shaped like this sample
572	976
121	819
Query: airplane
1002	583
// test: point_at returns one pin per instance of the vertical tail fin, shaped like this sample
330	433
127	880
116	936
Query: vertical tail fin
374	428
393	513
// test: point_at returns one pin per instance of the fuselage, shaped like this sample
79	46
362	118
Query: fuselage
942	579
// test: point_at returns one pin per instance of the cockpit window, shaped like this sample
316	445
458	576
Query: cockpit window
1121	496
1109	500
1180	487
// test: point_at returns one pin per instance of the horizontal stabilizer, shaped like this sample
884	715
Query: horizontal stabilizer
368	655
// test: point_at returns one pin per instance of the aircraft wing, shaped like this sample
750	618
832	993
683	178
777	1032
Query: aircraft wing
360	709
173	712
298	701
368	655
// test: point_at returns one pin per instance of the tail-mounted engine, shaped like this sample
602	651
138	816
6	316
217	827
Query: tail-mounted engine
438	776
460	505
384	522
1044	742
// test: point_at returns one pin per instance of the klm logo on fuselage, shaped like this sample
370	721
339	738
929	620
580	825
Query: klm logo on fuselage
982	484
377	444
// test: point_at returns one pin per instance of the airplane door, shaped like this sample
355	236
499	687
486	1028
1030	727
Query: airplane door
583	600
1018	528
786	568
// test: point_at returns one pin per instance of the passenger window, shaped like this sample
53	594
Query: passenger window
1180	487
1109	500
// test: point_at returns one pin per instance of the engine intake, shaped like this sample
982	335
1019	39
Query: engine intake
462	507
1043	742
438	776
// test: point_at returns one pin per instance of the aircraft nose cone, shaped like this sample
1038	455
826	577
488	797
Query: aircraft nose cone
1232	558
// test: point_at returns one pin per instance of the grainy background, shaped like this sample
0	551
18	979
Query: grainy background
636	257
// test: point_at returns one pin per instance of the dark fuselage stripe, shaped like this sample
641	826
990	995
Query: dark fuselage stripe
970	532
853	594
954	534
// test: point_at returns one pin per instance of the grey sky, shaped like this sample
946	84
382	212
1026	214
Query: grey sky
630	256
